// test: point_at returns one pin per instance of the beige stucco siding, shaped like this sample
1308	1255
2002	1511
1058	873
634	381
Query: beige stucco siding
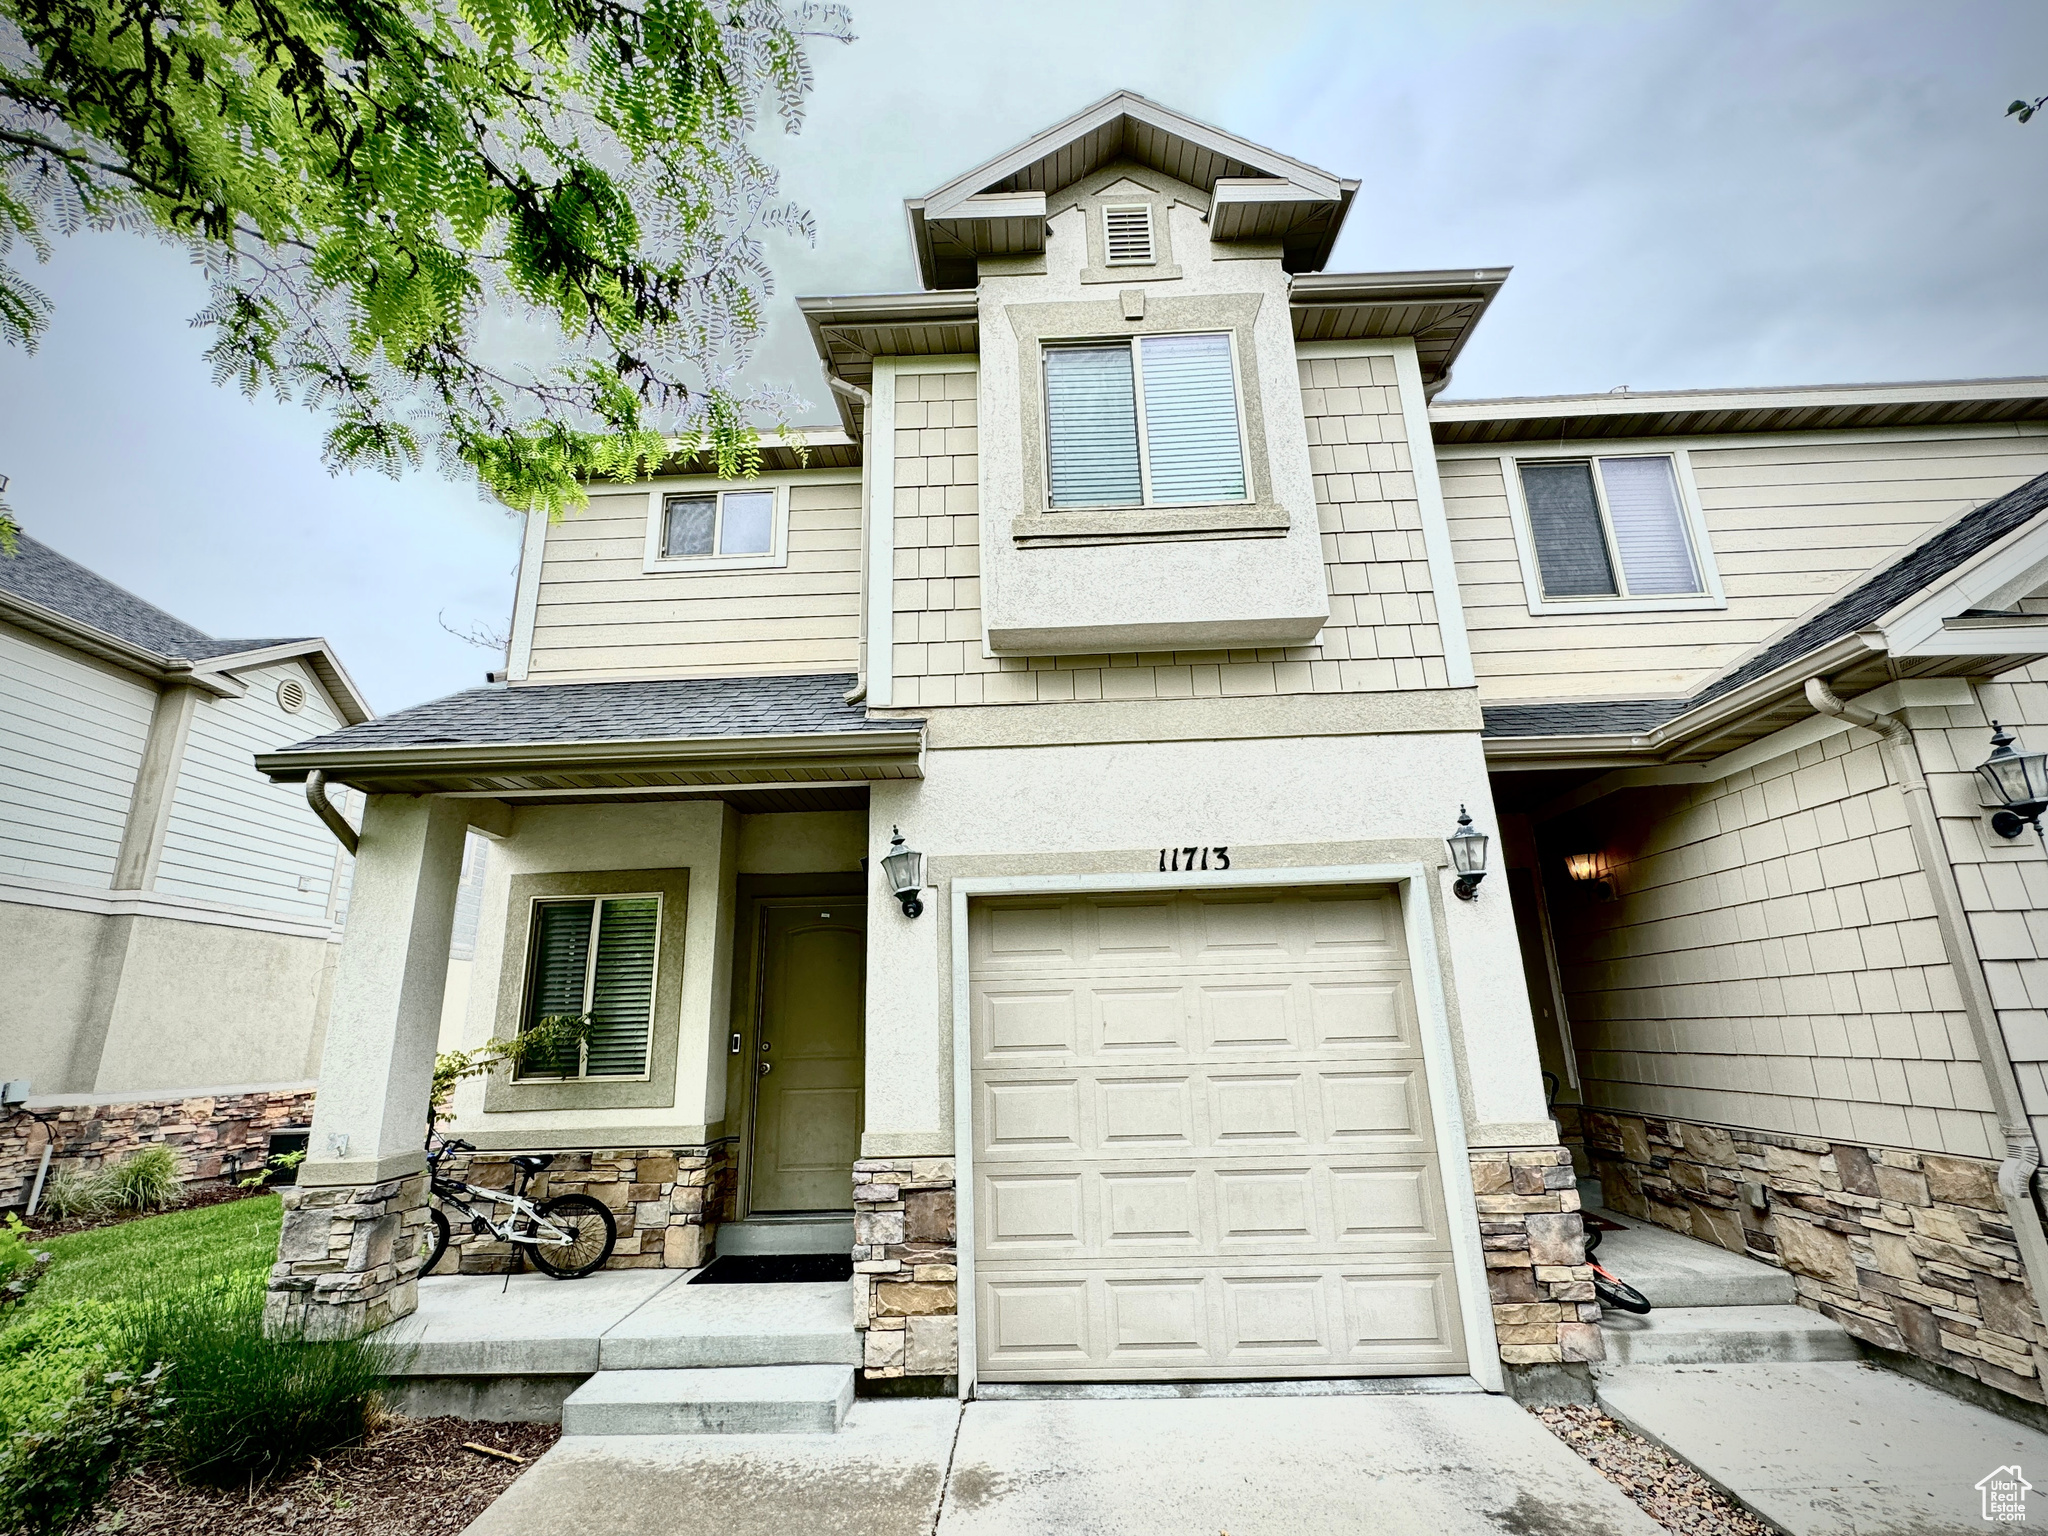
601	613
1790	524
1771	959
71	738
1382	633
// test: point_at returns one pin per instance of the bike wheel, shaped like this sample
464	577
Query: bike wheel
591	1234
1617	1293
435	1239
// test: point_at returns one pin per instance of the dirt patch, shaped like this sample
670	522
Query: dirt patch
65	1226
1669	1491
411	1478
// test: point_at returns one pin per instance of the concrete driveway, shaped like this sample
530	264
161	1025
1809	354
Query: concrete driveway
1434	1464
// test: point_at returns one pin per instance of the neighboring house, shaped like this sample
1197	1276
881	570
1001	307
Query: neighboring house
1145	587
171	918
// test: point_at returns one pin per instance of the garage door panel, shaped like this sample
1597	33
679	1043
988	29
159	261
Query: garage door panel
1203	1141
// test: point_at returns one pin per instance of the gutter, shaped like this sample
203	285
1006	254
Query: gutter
512	757
2023	1152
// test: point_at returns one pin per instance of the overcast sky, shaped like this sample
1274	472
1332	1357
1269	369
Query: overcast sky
1691	194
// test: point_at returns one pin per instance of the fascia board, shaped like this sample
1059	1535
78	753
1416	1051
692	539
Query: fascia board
1636	403
291	767
986	205
1915	627
61	627
318	654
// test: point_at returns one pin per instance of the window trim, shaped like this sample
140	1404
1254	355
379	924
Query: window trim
596	901
656	559
1135	342
1694	520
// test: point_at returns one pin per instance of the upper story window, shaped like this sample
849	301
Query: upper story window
1127	236
1143	421
718	523
595	957
1611	530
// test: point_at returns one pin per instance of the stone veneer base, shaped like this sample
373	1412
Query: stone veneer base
348	1258
1544	1311
906	1256
1910	1251
666	1201
215	1135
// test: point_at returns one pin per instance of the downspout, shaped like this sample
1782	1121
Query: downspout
316	797
2023	1152
866	403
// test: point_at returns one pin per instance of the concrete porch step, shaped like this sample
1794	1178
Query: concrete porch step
748	1400
695	1326
1723	1336
813	1232
1677	1271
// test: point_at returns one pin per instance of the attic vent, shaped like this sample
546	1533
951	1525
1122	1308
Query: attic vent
291	696
1128	235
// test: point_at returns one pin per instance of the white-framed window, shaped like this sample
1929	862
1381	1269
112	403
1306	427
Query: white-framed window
1127	235
1610	532
708	527
594	956
1144	421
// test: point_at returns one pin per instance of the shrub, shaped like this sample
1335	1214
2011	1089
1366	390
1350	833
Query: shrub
54	1471
75	1192
45	1354
147	1181
20	1265
248	1406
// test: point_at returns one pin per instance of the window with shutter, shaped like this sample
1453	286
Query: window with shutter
1127	236
595	959
1610	527
1149	421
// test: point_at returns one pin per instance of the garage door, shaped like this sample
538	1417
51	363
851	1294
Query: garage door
1202	1141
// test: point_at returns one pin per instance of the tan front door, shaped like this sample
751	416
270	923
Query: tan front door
1202	1141
807	1086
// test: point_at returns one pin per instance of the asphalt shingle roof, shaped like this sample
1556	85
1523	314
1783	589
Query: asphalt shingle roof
40	575
1856	609
657	709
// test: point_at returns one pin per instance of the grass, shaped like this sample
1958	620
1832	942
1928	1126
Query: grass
72	1323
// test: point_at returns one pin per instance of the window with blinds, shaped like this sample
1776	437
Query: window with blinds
1127	236
595	959
1609	527
1148	421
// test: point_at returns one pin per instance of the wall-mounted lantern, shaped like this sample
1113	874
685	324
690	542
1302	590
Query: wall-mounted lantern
1468	856
903	868
2018	781
1587	872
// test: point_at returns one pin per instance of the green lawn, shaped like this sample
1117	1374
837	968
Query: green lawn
63	1332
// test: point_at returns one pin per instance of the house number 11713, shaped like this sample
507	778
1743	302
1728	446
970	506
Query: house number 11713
1177	860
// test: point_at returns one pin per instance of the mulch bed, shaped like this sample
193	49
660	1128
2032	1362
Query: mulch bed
65	1226
1669	1491
411	1478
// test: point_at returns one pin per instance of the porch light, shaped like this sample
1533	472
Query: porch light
2018	781
904	869
1468	856
1585	871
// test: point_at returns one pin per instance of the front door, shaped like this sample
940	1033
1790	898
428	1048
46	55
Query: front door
807	1072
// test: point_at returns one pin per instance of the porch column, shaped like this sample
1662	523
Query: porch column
349	1255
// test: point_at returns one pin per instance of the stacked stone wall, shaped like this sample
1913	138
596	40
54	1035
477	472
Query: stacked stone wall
1909	1251
216	1136
667	1203
906	1259
348	1258
1534	1239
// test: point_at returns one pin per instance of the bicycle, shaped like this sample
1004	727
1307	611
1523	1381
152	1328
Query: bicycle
1611	1291
569	1236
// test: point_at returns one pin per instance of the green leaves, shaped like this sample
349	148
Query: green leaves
526	233
2025	110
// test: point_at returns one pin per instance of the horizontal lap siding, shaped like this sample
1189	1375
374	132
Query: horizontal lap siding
71	741
1790	524
1382	633
601	615
1771	960
236	839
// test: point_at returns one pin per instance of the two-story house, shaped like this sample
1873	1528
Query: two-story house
1008	836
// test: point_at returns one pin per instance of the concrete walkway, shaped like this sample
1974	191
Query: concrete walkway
1435	1464
1830	1448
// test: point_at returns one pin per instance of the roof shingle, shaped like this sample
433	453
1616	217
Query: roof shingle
38	574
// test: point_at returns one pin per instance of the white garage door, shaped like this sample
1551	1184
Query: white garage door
1202	1141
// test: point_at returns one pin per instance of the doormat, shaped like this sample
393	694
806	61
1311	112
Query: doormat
775	1269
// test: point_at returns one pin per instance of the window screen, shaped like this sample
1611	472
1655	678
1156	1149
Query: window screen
1564	520
747	523
692	523
1581	509
1191	419
1183	446
1092	422
614	987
